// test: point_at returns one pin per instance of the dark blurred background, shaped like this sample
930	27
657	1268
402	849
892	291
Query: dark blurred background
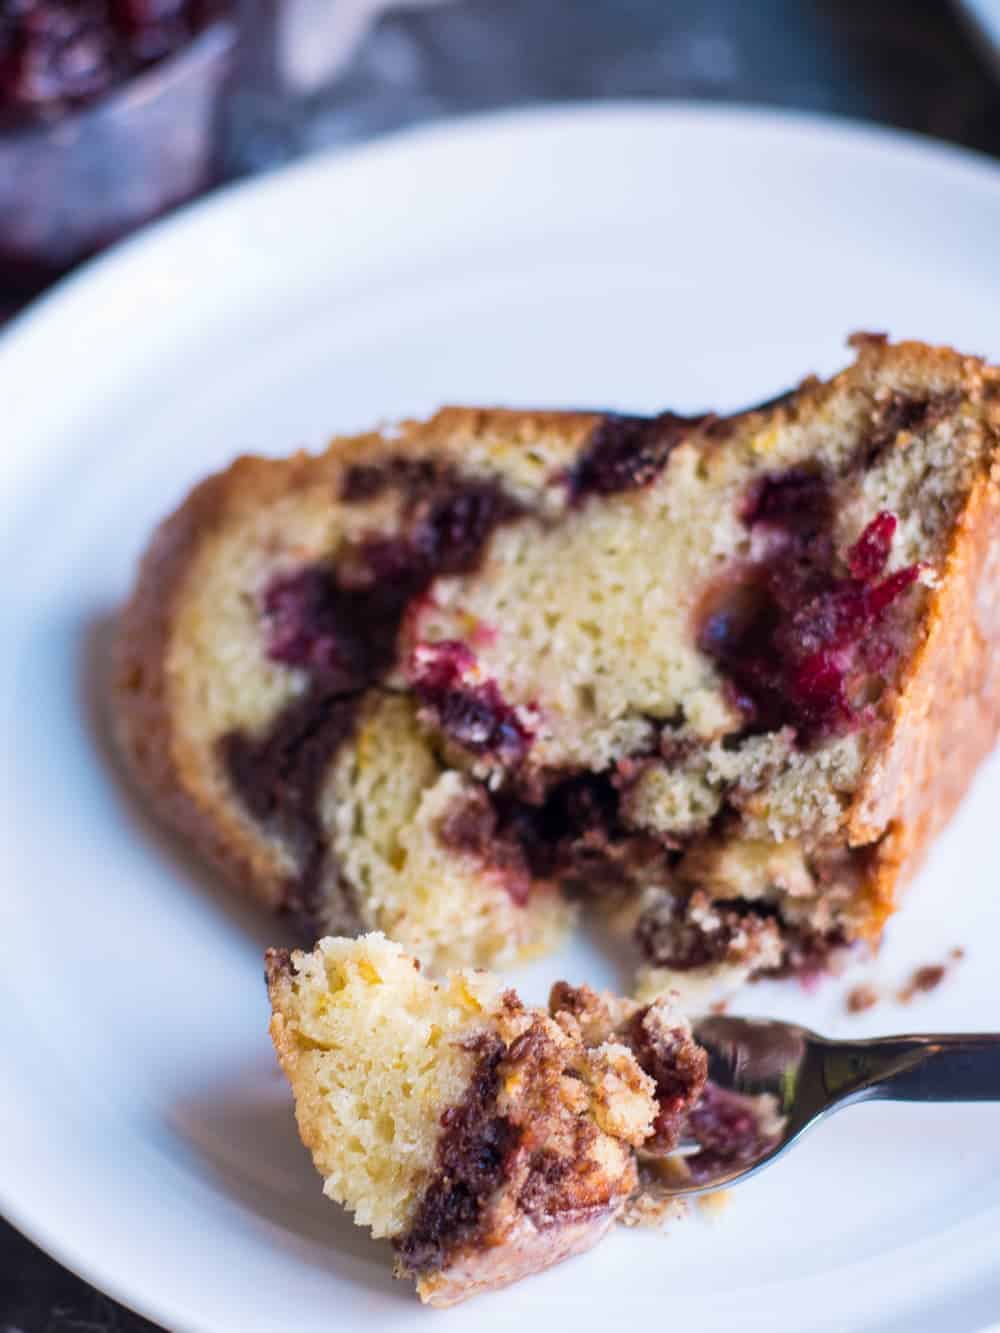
916	64
910	64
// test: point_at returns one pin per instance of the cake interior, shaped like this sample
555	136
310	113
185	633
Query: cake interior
477	675
486	1139
378	1086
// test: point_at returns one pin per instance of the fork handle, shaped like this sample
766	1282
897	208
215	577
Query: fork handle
947	1068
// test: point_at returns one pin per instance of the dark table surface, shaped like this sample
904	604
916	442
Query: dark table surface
907	64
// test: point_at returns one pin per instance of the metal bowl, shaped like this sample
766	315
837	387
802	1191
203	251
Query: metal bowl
69	187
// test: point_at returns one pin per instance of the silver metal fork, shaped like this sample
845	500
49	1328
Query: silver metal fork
770	1081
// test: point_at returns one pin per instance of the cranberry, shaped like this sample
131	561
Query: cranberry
344	637
450	537
793	638
56	51
342	624
796	500
474	715
868	556
818	687
307	626
448	521
441	666
882	596
625	453
56	54
387	559
727	1126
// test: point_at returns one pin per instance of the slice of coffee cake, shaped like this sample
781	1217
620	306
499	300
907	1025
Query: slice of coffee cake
487	1140
705	665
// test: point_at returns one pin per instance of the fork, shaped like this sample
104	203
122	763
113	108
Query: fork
770	1081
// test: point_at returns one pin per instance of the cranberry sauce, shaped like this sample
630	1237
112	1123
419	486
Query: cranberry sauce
624	453
730	1129
340	624
344	637
472	713
797	642
57	54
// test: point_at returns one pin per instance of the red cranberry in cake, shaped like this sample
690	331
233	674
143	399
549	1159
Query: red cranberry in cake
869	555
797	641
466	708
312	623
460	680
624	453
731	1129
59	54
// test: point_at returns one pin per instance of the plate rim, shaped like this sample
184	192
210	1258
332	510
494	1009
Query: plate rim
425	134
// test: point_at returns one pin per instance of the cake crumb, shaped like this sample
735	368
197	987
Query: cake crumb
957	954
715	1203
649	1209
653	1204
924	980
862	998
719	1007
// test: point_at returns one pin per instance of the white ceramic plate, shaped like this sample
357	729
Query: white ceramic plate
630	257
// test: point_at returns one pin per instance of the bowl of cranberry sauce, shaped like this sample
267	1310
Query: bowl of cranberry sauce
108	117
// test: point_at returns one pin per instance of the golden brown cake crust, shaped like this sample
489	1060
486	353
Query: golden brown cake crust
527	1249
947	715
144	719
